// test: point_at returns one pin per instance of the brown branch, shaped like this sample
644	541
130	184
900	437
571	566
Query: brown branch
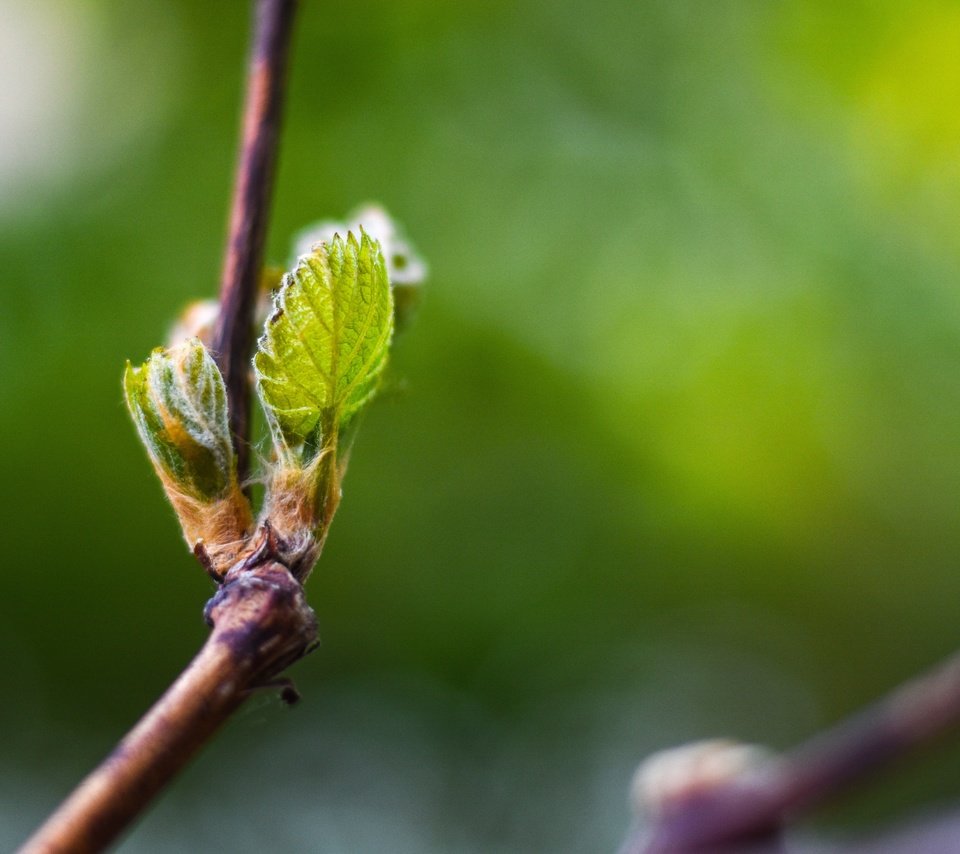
261	624
784	789
253	187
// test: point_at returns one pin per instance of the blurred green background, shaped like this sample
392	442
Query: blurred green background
675	449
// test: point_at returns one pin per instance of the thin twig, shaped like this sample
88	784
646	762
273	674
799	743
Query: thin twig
261	622
253	187
786	788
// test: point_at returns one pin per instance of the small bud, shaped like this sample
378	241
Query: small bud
198	320
178	402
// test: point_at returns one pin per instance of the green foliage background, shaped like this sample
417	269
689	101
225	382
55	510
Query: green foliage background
676	450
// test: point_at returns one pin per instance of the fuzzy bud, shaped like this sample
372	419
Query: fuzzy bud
178	402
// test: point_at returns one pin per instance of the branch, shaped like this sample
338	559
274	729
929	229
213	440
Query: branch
261	622
243	259
760	801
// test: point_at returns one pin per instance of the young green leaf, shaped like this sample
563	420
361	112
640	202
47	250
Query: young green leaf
325	346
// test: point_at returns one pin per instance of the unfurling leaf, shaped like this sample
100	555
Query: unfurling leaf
179	404
325	346
318	363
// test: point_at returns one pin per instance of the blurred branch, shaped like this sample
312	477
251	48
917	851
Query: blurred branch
759	801
261	622
253	187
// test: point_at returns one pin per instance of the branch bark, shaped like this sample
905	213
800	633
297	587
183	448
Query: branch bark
243	259
784	789
261	625
261	621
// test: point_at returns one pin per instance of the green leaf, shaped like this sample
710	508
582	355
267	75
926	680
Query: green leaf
179	405
325	346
